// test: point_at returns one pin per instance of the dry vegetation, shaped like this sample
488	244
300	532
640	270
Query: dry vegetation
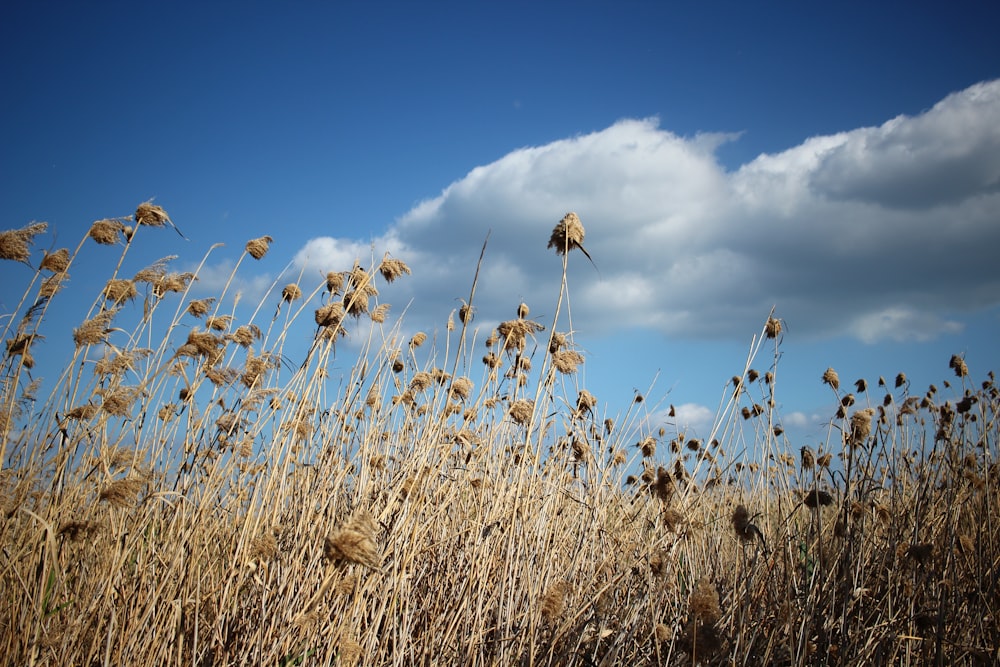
186	494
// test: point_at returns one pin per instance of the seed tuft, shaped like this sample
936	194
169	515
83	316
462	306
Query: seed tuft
831	378
354	542
258	247
15	243
149	214
391	268
567	235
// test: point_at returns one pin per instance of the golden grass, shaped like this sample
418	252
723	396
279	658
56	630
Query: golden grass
206	502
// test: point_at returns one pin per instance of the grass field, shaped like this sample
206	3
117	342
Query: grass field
185	493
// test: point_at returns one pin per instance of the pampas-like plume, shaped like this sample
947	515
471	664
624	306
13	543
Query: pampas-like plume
521	410
831	378
14	243
154	216
107	231
861	426
773	327
393	268
958	365
56	262
258	247
567	235
94	330
354	542
291	292
461	388
704	601
118	290
742	526
122	492
554	600
566	361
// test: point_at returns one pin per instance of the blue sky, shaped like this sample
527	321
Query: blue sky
839	162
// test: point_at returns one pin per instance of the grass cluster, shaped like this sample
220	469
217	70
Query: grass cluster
186	493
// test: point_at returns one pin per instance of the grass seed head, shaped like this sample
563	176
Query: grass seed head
359	280
122	492
378	315
554	600
94	330
466	313
51	285
740	520
393	268
334	282
461	388
958	365
648	447
831	378
521	410
245	335
290	292
515	333
356	303
200	307
817	498
861	426
421	381
663	487
149	214
107	231
56	262
808	458
330	315
704	602
354	542
83	412
772	329
585	401
566	361
78	530
258	247
567	234
557	342
15	244
172	282
118	402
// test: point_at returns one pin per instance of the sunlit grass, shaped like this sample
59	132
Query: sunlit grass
190	491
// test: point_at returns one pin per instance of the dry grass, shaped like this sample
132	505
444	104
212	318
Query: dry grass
203	503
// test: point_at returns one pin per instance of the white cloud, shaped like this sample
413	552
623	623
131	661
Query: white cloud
695	417
879	233
214	278
902	324
800	420
948	154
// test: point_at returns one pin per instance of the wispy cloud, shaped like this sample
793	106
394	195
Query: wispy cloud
882	233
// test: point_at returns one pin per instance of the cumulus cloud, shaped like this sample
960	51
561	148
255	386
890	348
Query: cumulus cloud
885	233
801	420
695	417
946	155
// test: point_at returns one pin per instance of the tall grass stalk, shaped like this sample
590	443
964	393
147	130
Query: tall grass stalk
195	490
